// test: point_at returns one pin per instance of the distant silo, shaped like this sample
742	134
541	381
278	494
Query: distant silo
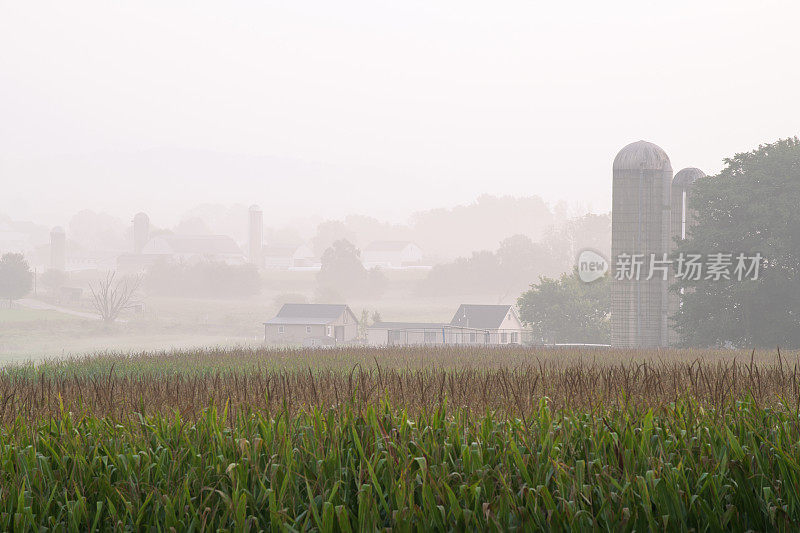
58	248
256	235
640	227
141	231
683	219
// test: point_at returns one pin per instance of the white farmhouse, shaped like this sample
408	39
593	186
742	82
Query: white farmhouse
499	324
472	324
286	257
391	254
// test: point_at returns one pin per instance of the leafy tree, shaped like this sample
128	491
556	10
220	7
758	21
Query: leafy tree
341	267
203	279
479	273
16	278
486	220
753	205
567	310
53	279
343	273
521	260
329	233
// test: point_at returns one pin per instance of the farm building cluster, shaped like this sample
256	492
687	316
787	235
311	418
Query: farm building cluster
151	246
336	324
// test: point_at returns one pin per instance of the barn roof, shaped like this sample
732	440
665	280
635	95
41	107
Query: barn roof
309	313
480	316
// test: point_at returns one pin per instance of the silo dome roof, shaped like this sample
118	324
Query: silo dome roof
57	229
687	176
141	216
254	208
642	155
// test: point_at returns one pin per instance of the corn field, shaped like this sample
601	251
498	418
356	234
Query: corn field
473	379
365	439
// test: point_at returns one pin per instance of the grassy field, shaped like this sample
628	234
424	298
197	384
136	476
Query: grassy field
408	439
22	315
171	322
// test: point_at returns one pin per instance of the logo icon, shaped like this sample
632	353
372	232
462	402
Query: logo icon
591	266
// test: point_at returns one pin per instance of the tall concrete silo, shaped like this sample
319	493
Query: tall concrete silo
640	227
141	231
256	235
683	219
58	248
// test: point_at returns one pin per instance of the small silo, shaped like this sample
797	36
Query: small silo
141	231
640	227
58	248
683	219
255	235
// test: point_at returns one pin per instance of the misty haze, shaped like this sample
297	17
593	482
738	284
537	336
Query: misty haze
390	260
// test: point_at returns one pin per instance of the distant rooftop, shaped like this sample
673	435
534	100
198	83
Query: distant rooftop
308	313
480	316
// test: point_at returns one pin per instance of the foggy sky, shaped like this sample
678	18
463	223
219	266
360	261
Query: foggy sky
381	108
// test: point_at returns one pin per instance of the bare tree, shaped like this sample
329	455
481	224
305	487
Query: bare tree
110	298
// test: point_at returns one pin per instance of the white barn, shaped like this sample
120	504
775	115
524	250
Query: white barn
391	254
285	257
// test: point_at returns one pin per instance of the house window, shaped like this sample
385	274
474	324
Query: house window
503	338
281	330
308	329
430	337
515	337
329	330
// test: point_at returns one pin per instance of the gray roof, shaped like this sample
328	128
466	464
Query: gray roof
687	176
480	316
642	155
309	313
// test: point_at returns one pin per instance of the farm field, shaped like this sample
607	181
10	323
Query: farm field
193	323
409	439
